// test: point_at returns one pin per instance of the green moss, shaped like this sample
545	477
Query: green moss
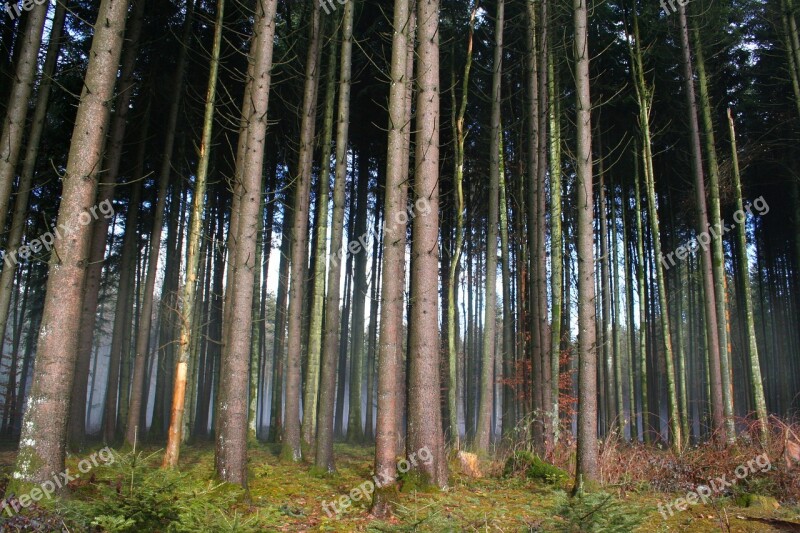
757	501
318	472
415	481
533	467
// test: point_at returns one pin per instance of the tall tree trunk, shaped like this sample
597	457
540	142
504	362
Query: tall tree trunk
311	396
458	113
138	395
291	441
17	110
712	331
532	208
484	429
279	336
390	342
718	254
424	408
607	377
355	433
42	452
123	314
19	218
231	437
188	292
641	288
99	235
587	467
744	272
372	332
556	254
330	343
644	97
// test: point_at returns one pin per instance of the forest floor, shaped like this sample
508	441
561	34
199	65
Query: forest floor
135	495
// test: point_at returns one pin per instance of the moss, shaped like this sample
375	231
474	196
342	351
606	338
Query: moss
533	467
415	481
757	501
318	472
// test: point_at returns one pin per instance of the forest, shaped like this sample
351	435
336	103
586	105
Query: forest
407	265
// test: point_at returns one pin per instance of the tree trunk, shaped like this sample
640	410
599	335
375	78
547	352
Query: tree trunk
355	433
424	408
143	332
556	255
587	467
99	235
311	396
17	110
324	459
231	437
712	332
390	342
484	428
458	113
42	452
188	292
19	218
756	382
291	429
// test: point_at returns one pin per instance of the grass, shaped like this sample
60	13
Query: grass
284	496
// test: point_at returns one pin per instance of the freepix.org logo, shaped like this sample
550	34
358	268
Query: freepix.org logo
14	10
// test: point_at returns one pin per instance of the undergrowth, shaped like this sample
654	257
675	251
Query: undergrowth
133	495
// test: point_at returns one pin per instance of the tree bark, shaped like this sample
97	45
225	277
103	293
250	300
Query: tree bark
324	459
311	395
390	342
18	218
484	428
188	292
42	452
587	466
424	407
291	429
17	110
744	272
712	331
231	437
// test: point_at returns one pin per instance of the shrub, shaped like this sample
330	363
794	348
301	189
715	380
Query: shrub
594	512
132	496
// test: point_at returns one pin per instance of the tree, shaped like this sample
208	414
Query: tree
17	111
311	394
424	414
324	459
390	341
291	429
231	437
188	292
143	333
484	429
712	331
42	452
744	272
587	467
